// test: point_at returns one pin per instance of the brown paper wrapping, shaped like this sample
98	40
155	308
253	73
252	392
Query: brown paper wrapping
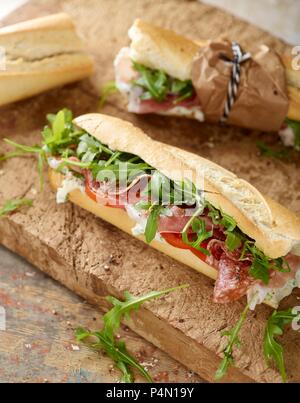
262	102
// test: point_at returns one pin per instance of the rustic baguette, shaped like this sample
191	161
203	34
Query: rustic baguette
163	49
275	229
41	54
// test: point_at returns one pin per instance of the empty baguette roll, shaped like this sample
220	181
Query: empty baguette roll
41	54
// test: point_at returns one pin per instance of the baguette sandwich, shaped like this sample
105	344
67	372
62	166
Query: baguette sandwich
155	74
181	204
39	55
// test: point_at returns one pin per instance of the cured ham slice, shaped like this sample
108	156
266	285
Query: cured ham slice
125	75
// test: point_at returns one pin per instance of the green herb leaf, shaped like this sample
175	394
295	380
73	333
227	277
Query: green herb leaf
12	154
23	148
199	229
58	126
106	341
131	303
152	223
233	241
267	151
117	351
108	89
261	264
233	335
11	206
158	85
273	351
260	270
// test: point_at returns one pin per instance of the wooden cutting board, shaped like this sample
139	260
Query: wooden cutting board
94	259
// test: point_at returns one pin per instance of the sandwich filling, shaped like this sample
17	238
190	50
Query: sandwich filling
154	91
175	213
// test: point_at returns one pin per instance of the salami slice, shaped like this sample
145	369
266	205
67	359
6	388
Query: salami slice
233	280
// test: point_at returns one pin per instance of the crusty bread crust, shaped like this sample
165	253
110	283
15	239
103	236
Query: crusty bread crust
163	49
54	21
41	54
275	229
120	219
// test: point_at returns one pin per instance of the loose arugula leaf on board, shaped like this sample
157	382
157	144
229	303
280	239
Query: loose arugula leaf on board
234	341
22	150
267	151
117	351
106	340
131	303
273	350
12	205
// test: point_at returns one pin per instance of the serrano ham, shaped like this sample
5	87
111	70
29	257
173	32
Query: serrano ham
234	279
125	75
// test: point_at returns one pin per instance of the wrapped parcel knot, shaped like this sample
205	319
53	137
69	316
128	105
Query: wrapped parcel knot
239	57
241	89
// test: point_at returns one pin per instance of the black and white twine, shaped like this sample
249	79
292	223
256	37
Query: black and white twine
238	58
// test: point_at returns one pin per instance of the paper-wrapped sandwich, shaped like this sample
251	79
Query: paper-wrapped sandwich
39	55
216	81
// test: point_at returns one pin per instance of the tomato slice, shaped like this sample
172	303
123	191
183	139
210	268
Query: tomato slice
93	190
176	241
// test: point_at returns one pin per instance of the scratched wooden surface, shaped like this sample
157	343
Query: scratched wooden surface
39	346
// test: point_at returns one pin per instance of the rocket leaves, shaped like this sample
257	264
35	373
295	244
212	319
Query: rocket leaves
106	338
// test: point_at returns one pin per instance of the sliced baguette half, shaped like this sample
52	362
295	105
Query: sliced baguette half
41	54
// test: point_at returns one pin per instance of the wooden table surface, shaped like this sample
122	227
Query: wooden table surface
39	346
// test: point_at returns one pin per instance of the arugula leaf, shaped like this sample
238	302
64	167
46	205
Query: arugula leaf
273	351
108	89
233	241
57	139
12	154
183	89
199	228
152	223
131	303
158	85
261	264
23	148
234	340
12	205
267	151
117	350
